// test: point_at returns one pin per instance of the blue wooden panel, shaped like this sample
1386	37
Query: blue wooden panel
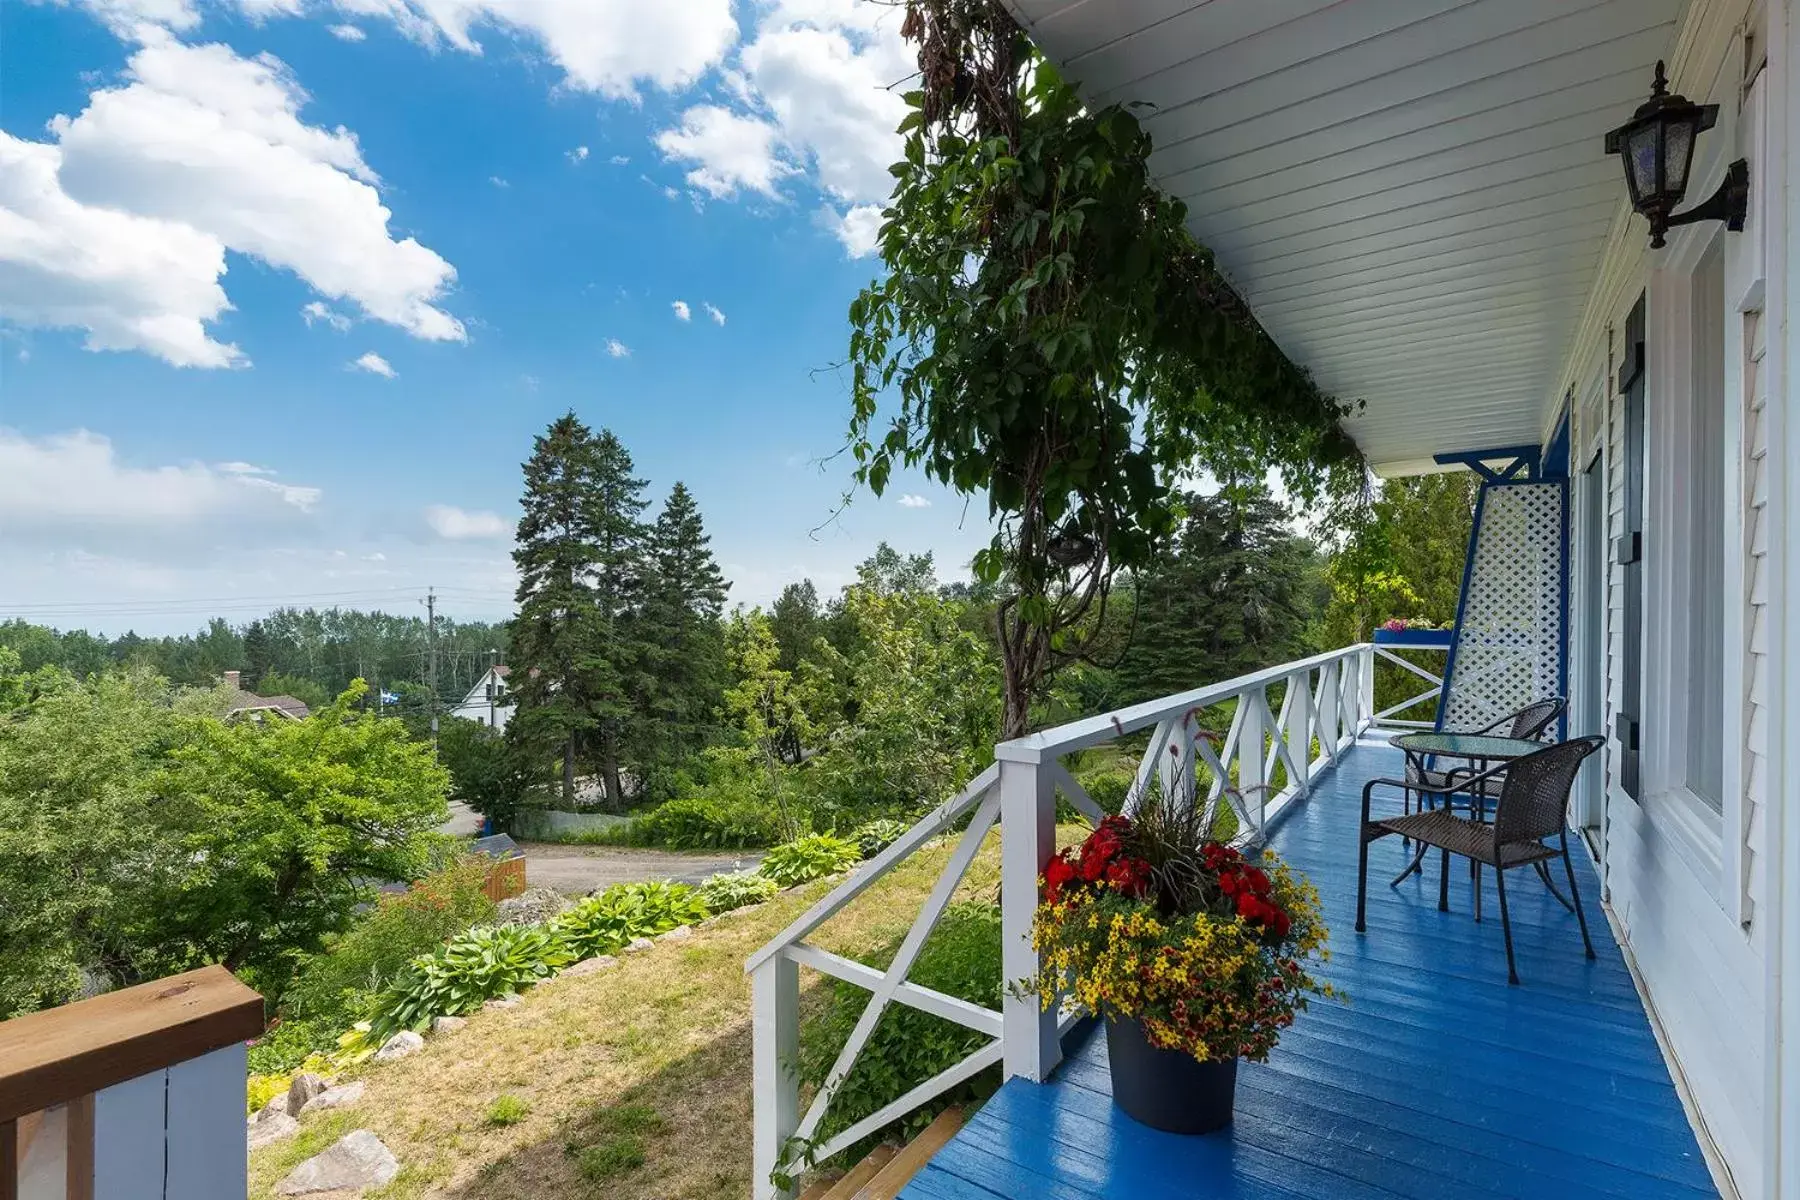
207	1159
1434	1078
128	1138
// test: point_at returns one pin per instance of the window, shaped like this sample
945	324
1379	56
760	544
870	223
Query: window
1704	616
1630	555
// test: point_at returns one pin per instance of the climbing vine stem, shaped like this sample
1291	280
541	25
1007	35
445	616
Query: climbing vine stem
1050	334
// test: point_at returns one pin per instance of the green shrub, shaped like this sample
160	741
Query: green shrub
806	859
875	836
735	889
334	987
602	924
713	819
288	1044
907	1047
507	1109
476	966
1108	786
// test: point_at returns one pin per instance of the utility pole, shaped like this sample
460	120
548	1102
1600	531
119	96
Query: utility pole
493	684
431	669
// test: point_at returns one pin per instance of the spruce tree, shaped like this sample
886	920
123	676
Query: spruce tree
557	634
620	580
684	668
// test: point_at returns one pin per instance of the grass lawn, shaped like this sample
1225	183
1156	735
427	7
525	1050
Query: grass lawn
632	1082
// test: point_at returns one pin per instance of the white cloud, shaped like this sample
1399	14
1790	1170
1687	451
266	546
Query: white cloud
448	521
374	364
718	318
348	33
816	92
120	225
316	311
682	311
913	500
498	182
72	489
859	228
578	154
734	152
617	349
619	160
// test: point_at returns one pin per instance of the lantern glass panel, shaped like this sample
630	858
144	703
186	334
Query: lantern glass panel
1678	153
1640	162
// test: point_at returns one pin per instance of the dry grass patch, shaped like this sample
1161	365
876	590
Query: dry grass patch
630	1083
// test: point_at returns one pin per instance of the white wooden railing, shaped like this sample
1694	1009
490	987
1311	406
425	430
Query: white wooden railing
134	1095
1390	716
1264	762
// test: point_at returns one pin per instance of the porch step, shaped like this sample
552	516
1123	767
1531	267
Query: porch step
900	1169
820	1189
851	1185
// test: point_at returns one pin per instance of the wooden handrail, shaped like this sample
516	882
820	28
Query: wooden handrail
60	1054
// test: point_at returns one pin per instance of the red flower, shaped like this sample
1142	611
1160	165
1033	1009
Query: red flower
1259	882
1228	883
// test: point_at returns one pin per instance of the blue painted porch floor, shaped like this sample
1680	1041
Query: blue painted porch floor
1435	1079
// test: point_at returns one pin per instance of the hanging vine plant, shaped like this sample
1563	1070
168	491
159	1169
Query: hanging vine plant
1049	333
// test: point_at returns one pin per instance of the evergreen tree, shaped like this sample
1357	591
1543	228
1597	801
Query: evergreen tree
1232	594
797	622
259	655
683	675
620	581
558	634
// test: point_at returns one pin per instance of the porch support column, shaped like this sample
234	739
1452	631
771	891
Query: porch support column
1030	1044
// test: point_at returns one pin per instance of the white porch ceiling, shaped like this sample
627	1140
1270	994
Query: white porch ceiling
1411	194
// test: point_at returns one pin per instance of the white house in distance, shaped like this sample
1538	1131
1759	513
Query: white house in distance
487	701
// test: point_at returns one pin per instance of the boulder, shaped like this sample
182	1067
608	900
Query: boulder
358	1160
531	906
400	1045
276	1104
447	1024
305	1086
639	945
680	933
336	1097
588	966
266	1127
510	1000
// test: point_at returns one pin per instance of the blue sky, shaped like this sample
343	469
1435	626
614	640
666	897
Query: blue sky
287	287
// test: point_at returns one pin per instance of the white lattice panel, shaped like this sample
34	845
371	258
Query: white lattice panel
1508	648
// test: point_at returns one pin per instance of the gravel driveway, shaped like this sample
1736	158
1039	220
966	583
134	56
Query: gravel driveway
577	870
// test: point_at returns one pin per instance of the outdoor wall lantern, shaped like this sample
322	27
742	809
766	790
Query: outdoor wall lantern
1657	145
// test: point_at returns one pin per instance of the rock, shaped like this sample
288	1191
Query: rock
358	1160
266	1127
680	933
337	1097
588	966
276	1104
531	906
399	1046
510	1000
447	1024
305	1086
639	945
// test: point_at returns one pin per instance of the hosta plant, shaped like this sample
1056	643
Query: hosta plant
806	859
735	889
602	924
875	836
480	965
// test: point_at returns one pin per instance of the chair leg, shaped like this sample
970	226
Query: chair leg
1549	883
1444	883
1362	880
1580	917
1512	972
1475	881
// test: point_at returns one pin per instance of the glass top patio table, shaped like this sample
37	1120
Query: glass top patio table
1467	745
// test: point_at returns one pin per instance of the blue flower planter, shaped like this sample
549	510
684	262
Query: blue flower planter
1436	638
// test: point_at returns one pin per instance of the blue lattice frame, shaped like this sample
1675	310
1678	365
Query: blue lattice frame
1525	462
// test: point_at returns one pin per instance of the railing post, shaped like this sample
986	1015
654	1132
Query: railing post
1328	710
1027	839
1299	730
1251	756
1368	688
775	1045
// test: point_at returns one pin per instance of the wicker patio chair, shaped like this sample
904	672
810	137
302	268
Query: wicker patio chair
1533	803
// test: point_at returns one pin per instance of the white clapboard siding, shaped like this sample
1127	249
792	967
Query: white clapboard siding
1756	605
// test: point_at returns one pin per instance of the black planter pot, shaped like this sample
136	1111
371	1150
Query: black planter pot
1167	1089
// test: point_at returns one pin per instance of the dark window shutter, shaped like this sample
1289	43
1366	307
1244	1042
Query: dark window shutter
1630	555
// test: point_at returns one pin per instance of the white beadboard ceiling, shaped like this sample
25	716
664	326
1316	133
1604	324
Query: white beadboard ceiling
1411	194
